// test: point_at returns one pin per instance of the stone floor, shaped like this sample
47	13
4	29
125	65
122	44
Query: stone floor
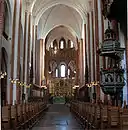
58	117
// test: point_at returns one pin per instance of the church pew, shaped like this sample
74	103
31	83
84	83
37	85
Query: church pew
113	117
124	118
6	117
21	116
14	116
100	116
104	116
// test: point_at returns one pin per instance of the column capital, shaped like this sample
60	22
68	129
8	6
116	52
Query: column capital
28	12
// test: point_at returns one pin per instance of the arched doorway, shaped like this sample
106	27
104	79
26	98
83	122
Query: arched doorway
3	80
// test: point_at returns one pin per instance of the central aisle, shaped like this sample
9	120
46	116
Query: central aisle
58	117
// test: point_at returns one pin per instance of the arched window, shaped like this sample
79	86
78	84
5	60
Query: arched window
61	44
71	45
51	44
68	72
56	72
62	68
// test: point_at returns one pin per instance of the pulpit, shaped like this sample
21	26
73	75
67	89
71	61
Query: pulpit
112	77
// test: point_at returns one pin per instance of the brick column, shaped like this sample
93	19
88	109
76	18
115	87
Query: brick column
93	45
85	44
25	52
41	61
33	50
1	16
19	50
35	54
89	52
97	47
1	31
14	55
28	52
103	58
81	62
77	64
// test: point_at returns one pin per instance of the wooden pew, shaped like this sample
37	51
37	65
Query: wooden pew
14	121
104	117
97	116
6	117
21	116
124	118
113	117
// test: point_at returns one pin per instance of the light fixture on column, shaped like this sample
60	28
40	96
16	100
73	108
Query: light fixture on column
2	75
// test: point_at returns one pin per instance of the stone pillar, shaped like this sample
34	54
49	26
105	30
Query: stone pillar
14	56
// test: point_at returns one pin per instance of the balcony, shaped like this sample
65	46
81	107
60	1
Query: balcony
112	80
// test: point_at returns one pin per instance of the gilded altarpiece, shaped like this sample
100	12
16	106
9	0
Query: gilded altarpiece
62	87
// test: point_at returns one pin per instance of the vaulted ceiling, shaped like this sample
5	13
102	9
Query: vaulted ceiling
50	14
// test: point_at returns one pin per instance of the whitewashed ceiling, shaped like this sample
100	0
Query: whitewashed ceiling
49	14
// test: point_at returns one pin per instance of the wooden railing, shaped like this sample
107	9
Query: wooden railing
21	116
99	116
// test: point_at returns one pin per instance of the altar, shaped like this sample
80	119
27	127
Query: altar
59	88
58	100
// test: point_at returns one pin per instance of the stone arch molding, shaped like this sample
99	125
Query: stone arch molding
9	7
72	65
39	8
62	63
58	33
53	18
53	65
